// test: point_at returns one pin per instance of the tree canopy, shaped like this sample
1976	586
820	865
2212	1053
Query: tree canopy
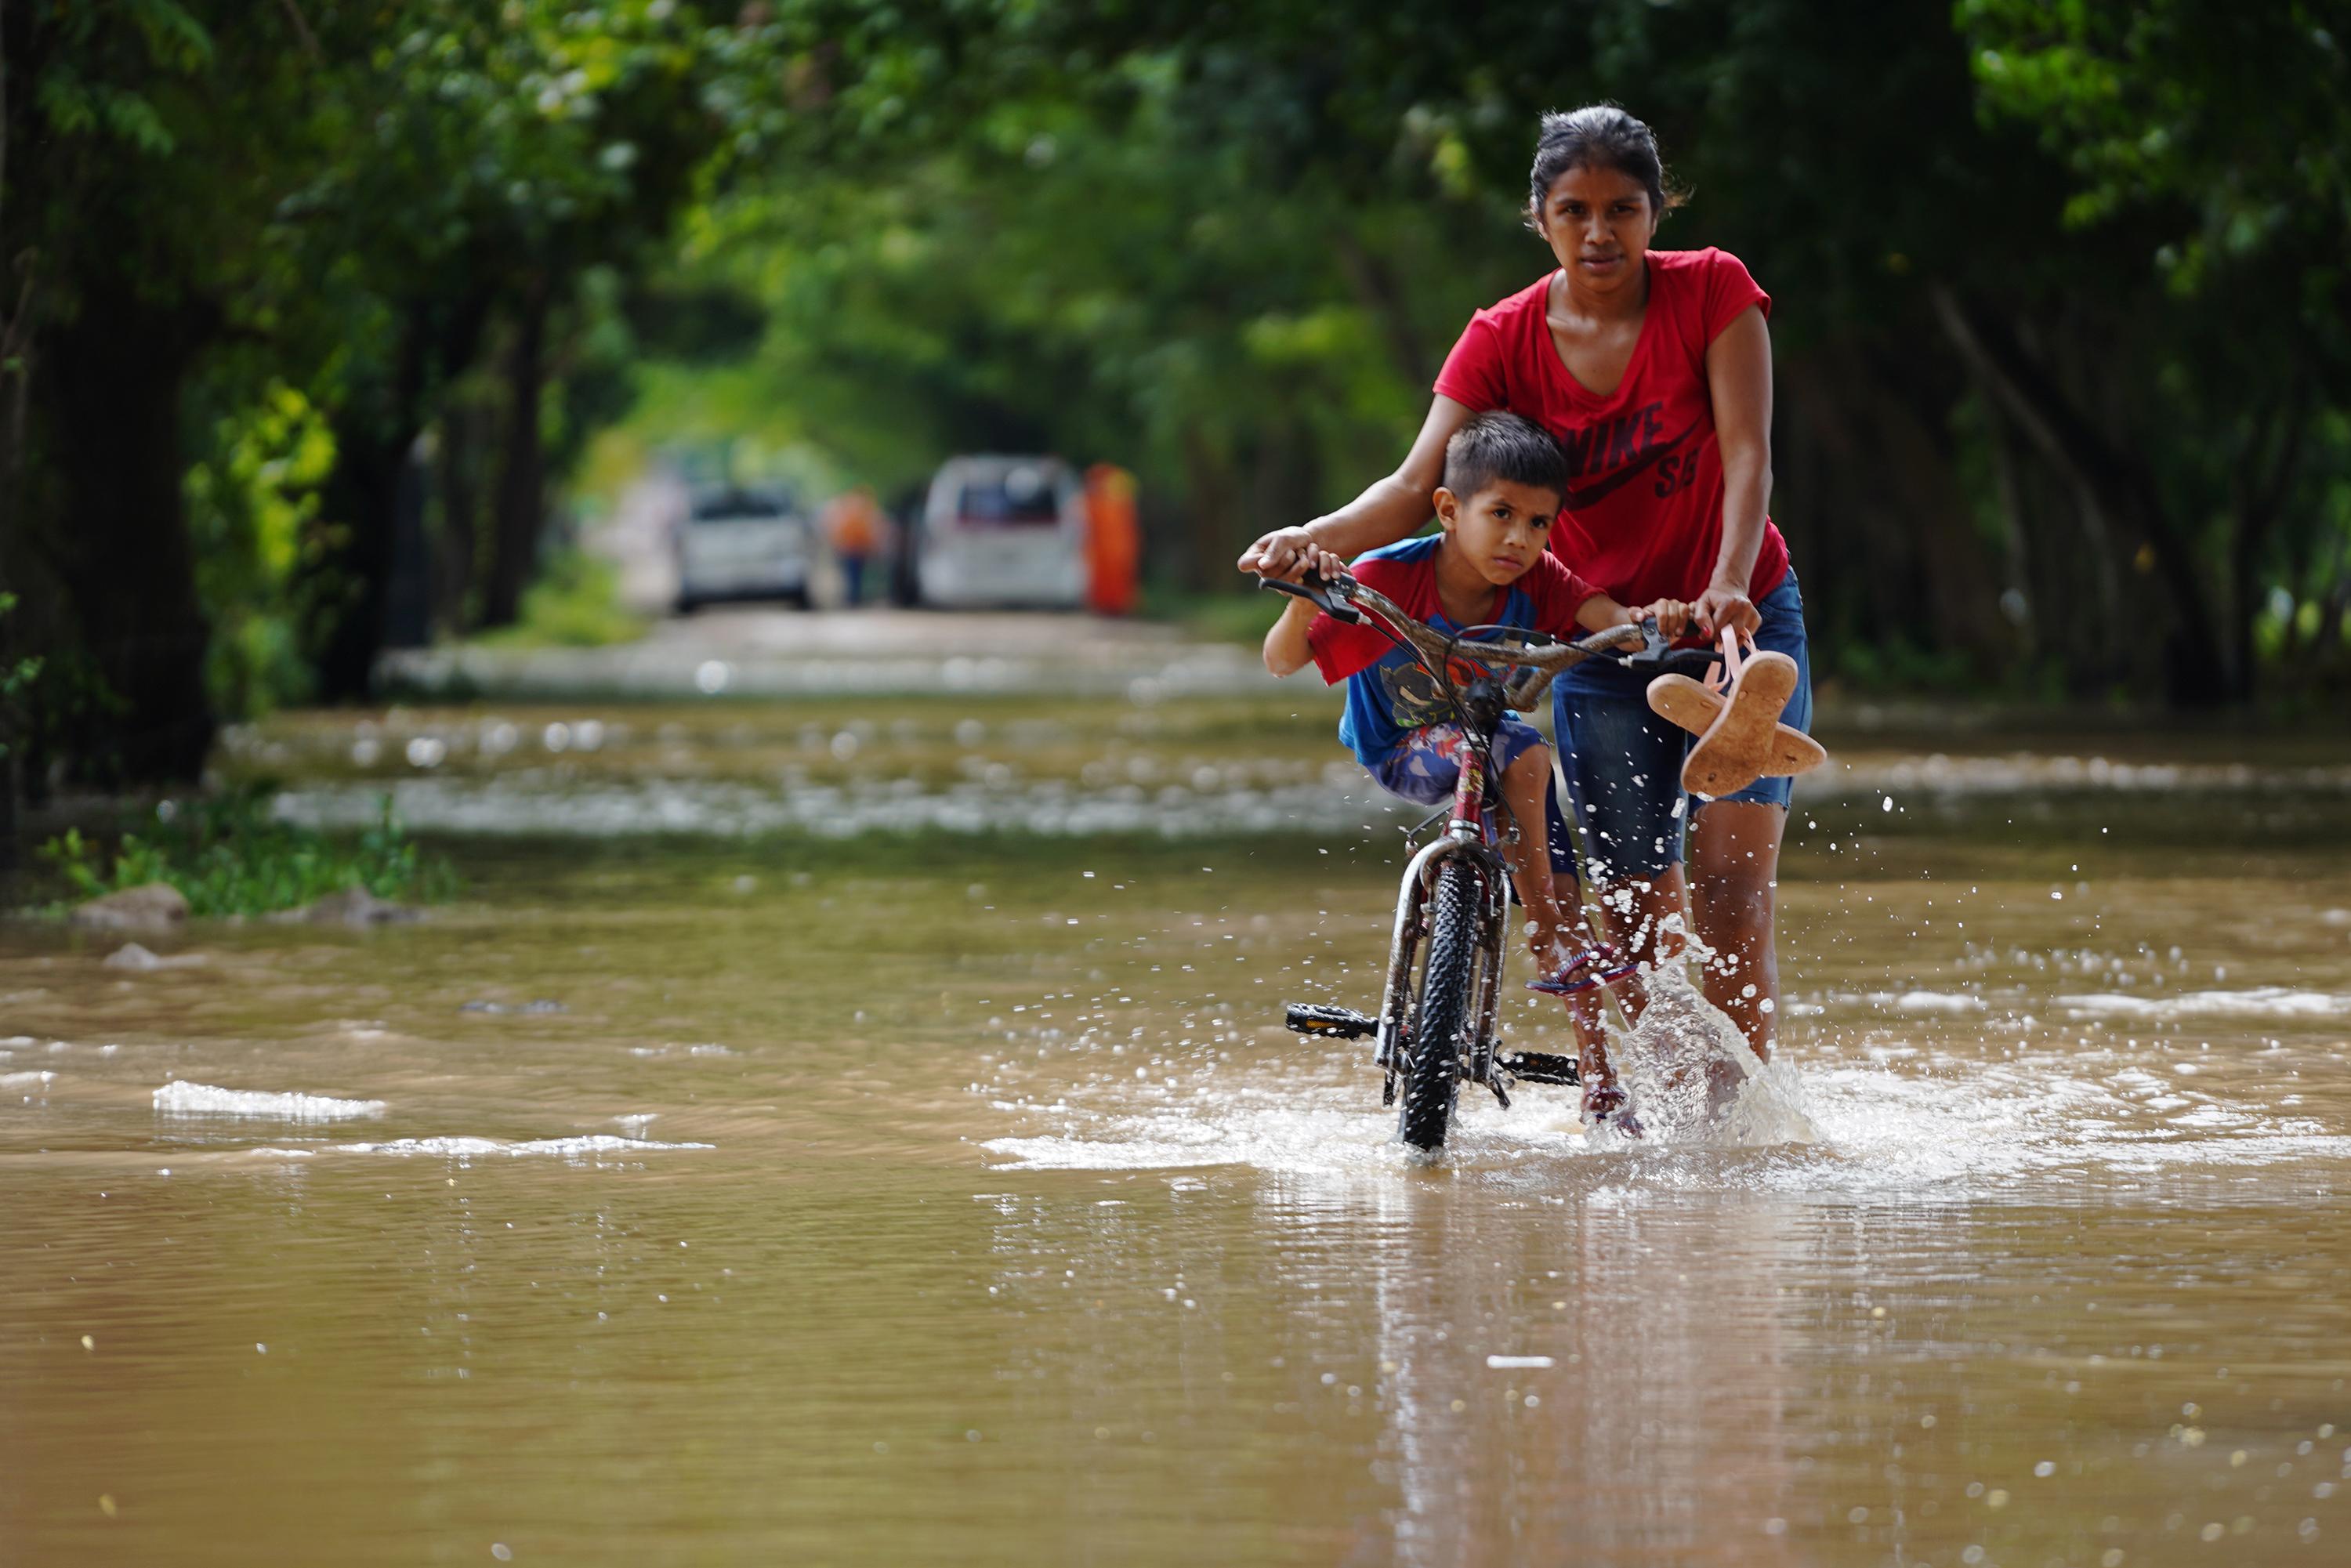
300	294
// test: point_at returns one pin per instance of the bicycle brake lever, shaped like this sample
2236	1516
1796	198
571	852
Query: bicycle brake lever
1658	657
1318	592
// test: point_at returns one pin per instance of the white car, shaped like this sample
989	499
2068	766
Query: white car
740	543
997	532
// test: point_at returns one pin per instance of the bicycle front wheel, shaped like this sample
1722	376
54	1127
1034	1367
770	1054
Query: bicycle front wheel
1442	1018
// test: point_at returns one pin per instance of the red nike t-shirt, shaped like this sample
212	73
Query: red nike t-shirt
1644	513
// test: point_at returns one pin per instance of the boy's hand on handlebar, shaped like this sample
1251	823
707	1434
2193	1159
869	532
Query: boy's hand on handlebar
1676	618
1279	553
1317	563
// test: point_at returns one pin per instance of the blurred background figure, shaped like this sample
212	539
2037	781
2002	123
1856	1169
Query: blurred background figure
1113	540
852	526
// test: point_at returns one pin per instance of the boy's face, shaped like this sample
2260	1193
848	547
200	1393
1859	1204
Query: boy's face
1501	530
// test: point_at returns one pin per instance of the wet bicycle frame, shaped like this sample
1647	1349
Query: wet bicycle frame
1453	906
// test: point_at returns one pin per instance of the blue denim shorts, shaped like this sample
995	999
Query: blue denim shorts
1427	764
1623	763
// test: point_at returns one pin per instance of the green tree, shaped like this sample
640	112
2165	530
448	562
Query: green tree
2218	138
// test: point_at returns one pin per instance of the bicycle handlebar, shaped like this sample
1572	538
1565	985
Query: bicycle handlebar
1345	599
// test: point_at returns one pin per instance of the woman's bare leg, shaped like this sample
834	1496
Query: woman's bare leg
1643	916
1734	861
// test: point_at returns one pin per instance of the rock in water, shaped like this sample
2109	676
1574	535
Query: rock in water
131	955
357	906
152	907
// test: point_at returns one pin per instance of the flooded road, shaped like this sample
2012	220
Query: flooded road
723	1180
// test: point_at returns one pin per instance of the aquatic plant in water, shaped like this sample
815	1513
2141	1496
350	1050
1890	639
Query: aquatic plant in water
230	854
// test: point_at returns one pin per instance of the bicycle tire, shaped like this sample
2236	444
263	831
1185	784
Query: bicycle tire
1432	1076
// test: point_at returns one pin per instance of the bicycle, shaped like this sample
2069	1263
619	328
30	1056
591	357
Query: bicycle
1436	1022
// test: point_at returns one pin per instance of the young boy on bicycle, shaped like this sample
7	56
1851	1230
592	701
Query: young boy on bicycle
1505	479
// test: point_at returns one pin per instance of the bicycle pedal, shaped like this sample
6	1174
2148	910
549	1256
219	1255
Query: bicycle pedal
1541	1067
1331	1023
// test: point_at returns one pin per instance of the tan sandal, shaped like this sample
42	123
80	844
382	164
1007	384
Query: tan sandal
1742	739
1695	707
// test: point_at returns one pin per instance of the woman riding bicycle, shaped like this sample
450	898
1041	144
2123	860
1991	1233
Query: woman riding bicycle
1654	368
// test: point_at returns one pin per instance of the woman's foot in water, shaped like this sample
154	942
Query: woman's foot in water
1607	1105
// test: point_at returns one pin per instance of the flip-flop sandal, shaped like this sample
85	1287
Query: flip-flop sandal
1732	754
1694	706
1596	965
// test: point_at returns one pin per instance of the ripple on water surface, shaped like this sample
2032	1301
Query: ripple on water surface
180	1098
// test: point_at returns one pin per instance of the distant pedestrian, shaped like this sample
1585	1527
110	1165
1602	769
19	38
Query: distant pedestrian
852	526
1113	540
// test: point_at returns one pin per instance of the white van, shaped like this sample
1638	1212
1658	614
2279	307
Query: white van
997	532
740	543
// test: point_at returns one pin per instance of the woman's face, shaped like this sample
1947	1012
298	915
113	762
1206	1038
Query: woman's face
1599	221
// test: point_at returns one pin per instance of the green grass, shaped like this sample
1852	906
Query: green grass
1240	617
227	855
575	603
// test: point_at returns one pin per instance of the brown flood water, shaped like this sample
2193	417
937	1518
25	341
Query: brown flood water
957	1199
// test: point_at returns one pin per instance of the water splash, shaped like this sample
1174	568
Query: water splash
1693	1078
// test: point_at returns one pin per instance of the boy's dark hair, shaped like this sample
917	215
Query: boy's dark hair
1501	445
1601	134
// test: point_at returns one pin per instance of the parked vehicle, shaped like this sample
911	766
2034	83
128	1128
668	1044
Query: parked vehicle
999	532
743	543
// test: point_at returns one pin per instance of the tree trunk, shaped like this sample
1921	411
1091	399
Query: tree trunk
122	549
344	596
2115	489
455	550
344	589
521	507
344	586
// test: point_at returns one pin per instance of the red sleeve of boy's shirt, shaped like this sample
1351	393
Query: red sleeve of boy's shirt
1342	648
1556	593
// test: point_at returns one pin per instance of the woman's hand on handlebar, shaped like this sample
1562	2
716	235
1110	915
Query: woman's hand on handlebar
1279	553
1720	607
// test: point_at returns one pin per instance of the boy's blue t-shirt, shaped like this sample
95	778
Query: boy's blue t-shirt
1388	694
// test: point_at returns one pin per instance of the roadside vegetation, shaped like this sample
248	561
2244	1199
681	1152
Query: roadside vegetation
311	315
575	603
228	855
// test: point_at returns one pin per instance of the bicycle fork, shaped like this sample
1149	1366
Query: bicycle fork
1460	841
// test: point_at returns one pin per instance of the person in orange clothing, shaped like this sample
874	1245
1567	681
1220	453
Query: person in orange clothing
1113	540
852	526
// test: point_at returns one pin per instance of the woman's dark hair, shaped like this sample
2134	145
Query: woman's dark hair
1503	445
1601	134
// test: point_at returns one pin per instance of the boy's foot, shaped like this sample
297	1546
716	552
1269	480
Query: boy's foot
1695	707
1598	965
1607	1105
1736	746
